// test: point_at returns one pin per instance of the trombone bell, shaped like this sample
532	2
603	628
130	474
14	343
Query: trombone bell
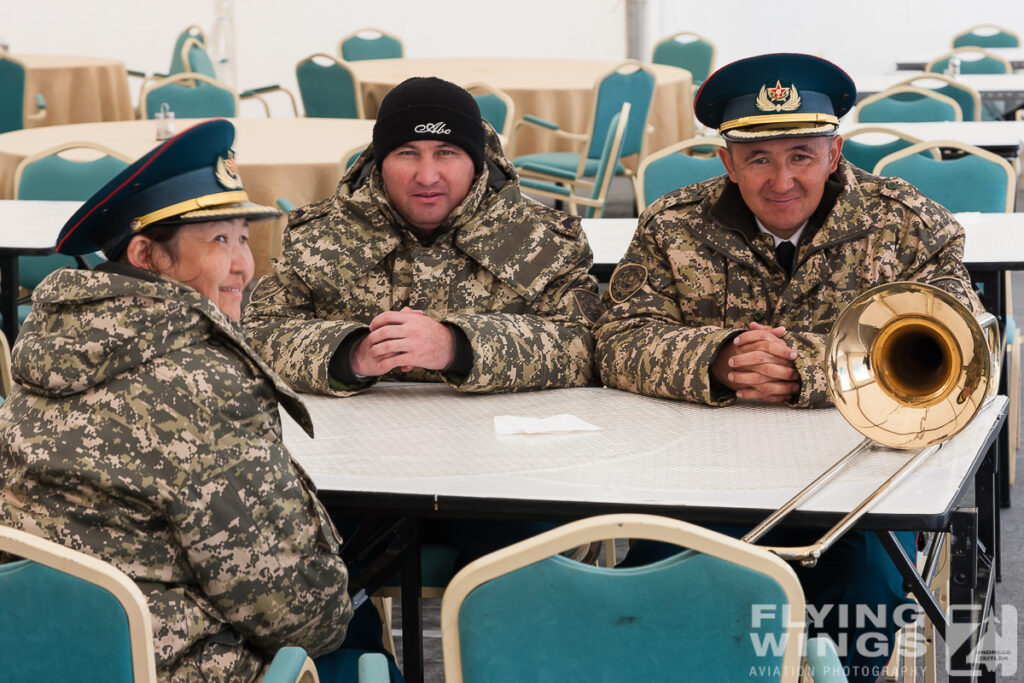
908	366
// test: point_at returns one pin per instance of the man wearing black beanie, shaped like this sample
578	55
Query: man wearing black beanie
428	265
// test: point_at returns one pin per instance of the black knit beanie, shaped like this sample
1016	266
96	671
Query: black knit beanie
429	109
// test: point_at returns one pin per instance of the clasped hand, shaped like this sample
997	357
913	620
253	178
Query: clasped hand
758	365
403	339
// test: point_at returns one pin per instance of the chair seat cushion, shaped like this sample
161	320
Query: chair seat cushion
566	161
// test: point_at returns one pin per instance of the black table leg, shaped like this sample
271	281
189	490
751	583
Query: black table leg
9	295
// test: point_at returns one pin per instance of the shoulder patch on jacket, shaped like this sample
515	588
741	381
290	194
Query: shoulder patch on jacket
589	304
626	281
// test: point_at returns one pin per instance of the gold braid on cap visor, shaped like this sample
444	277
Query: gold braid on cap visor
770	119
204	202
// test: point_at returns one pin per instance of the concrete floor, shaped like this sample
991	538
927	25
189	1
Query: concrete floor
1009	592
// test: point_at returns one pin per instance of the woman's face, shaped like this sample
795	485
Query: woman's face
213	258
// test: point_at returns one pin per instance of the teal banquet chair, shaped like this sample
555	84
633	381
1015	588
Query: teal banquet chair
686	50
527	613
370	43
68	616
188	96
13	94
54	175
677	166
195	59
880	142
564	187
987	35
328	88
973	60
496	106
907	103
629	82
965	96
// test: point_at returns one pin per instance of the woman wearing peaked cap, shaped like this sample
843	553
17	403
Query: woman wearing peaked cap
144	431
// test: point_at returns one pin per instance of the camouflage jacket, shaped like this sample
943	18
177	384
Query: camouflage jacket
698	271
144	431
511	273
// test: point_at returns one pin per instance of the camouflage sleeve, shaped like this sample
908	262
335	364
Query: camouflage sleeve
282	326
260	544
550	348
918	241
645	340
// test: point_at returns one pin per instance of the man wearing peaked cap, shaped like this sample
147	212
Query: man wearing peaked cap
731	285
138	399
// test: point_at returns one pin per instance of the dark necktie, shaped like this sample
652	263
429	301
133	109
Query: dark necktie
784	255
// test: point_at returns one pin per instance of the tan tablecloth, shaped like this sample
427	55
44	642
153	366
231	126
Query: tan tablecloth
295	159
559	90
77	89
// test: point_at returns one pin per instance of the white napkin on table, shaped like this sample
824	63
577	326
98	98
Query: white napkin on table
513	424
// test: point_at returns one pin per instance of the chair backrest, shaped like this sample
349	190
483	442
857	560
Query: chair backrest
614	142
630	82
65	615
674	167
5	368
192	32
195	58
12	94
689	51
907	103
527	613
496	106
865	154
328	88
973	60
986	35
370	43
51	175
967	97
206	98
976	181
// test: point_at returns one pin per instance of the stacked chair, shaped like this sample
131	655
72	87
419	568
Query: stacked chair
630	82
547	181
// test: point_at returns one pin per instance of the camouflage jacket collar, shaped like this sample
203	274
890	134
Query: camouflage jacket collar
95	325
732	228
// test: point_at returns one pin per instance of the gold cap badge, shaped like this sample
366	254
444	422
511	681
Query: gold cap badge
227	171
778	98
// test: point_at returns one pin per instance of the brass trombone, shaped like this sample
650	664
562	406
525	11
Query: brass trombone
908	366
